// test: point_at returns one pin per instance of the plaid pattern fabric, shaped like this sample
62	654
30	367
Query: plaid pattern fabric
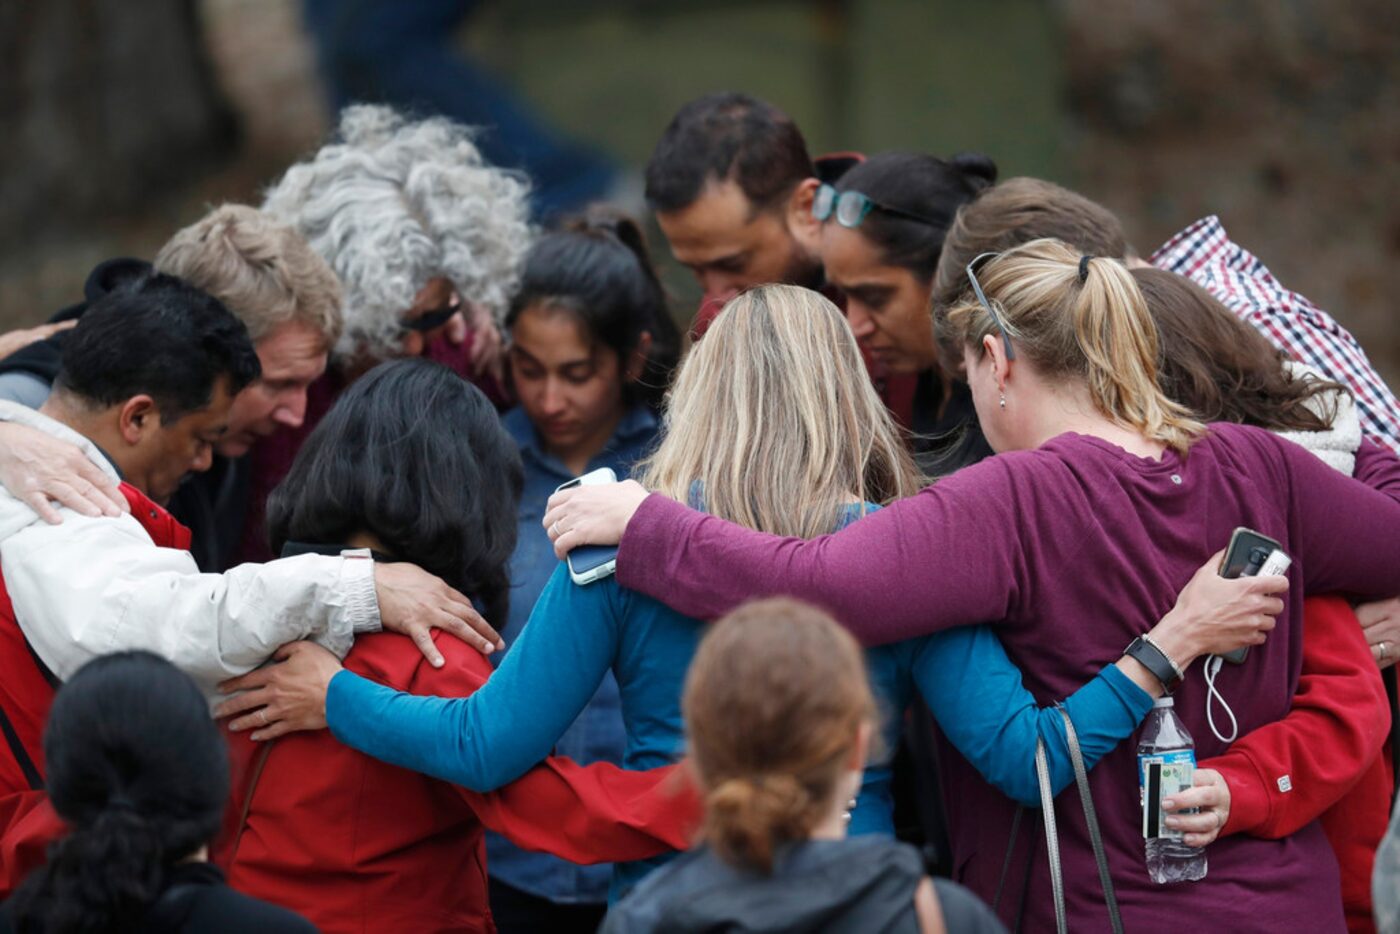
1204	254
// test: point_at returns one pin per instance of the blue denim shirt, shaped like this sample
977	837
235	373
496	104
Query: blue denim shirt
598	733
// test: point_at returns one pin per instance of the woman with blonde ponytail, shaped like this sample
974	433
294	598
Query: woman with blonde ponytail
1104	499
779	716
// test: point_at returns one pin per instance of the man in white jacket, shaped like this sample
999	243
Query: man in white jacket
148	377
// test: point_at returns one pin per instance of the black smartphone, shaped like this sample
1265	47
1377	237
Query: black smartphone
1247	555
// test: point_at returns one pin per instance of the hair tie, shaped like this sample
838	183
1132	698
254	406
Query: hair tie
1084	268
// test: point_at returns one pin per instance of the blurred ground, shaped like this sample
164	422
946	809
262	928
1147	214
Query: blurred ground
1284	118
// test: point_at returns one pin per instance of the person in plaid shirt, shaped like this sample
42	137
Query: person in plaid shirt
1206	255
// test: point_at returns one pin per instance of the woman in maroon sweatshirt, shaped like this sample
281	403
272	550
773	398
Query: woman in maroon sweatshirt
1105	499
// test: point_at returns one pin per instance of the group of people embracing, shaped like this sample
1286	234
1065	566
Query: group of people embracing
943	478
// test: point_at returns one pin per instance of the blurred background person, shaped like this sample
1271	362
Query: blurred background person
404	53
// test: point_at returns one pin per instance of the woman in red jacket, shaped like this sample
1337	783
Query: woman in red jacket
412	463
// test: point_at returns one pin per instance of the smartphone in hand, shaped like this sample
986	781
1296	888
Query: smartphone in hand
589	563
1251	553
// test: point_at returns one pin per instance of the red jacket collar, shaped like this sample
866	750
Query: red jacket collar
165	530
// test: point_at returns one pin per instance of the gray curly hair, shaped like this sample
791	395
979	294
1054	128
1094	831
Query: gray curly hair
393	203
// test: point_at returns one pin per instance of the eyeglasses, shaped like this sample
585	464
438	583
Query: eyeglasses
432	319
972	267
851	207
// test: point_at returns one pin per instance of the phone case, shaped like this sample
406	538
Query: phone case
589	563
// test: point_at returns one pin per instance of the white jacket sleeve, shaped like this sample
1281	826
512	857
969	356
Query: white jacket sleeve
93	586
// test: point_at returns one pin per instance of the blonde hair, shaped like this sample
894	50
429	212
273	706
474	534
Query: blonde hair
262	270
774	702
773	422
1098	331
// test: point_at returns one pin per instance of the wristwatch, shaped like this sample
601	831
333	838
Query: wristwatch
1155	661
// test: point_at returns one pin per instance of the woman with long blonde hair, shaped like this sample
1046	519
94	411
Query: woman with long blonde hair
1104	498
772	424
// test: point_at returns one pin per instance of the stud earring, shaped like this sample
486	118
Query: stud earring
1003	400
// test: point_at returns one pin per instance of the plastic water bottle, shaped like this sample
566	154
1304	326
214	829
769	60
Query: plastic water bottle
1166	765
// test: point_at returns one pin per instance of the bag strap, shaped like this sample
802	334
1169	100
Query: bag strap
1006	863
1081	778
1052	836
26	764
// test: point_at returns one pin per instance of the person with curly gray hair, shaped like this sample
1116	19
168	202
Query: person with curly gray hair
427	239
412	219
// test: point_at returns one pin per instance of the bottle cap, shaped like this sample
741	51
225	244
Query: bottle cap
1164	701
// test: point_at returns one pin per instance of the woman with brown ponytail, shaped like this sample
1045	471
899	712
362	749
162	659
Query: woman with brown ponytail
779	717
1104	498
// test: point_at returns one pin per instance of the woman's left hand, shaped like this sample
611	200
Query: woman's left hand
284	697
1380	621
591	515
1212	795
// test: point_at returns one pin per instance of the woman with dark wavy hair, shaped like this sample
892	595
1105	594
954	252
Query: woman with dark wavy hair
140	773
412	464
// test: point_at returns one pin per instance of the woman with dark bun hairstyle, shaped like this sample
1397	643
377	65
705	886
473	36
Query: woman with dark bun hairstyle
779	717
140	773
883	225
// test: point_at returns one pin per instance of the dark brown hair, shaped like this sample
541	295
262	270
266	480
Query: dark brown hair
774	703
1018	211
727	137
1221	368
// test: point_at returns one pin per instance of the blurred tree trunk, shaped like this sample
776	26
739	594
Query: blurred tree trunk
104	106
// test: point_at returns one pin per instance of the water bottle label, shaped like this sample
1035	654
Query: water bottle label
1160	776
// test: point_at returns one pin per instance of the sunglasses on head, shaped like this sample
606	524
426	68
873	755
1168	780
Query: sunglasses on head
977	263
851	207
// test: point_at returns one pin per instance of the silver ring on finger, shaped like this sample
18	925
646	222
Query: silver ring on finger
554	529
262	716
1383	649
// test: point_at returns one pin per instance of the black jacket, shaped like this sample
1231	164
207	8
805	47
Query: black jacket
863	885
196	901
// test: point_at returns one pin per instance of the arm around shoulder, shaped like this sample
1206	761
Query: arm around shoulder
98	585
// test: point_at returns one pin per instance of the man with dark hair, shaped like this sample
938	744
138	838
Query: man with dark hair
147	379
732	186
284	293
